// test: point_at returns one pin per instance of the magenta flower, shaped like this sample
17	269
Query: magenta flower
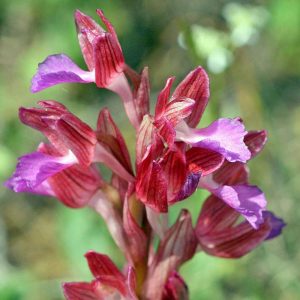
74	147
101	51
104	58
72	144
173	159
176	170
230	183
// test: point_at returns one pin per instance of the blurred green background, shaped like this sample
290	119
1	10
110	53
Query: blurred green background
251	50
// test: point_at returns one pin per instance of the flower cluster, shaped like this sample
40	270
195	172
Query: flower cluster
173	160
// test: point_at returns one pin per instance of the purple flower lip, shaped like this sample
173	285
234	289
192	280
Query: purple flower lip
56	69
225	136
34	168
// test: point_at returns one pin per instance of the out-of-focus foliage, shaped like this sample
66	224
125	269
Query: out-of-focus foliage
251	50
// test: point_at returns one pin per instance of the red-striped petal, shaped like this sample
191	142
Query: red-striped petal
255	141
109	135
204	161
109	60
79	291
163	98
151	184
194	86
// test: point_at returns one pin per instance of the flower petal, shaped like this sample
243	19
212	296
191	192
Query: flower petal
248	200
179	241
109	60
34	117
179	109
101	264
163	98
108	287
34	168
220	235
255	141
224	136
194	86
78	137
63	129
151	184
76	185
174	112
175	288
153	288
141	95
147	137
189	187
87	30
56	69
231	174
79	291
215	216
204	161
108	25
166	131
277	224
234	242
109	135
174	166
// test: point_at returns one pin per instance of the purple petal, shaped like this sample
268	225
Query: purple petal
189	187
225	136
44	189
56	69
245	199
34	168
277	224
